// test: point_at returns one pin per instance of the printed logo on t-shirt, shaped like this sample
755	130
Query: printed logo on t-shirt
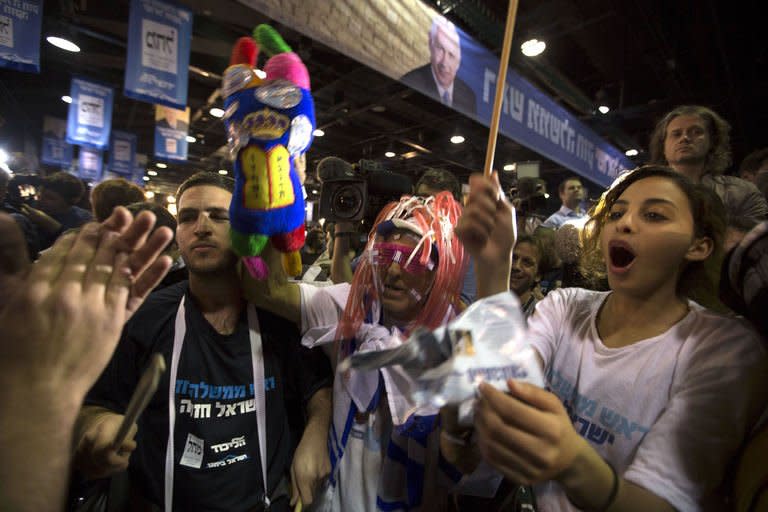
193	452
201	400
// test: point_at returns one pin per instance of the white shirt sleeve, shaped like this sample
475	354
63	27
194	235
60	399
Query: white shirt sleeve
321	307
545	324
713	406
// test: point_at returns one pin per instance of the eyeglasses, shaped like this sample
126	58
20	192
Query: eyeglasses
385	253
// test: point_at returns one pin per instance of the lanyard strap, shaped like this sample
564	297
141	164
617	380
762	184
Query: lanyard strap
257	360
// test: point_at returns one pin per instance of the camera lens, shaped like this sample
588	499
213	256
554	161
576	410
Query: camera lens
347	202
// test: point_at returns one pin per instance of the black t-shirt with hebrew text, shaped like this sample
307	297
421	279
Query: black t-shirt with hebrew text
216	452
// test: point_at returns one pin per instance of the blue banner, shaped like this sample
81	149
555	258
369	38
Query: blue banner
122	153
171	127
89	120
159	41
91	164
20	34
528	116
55	150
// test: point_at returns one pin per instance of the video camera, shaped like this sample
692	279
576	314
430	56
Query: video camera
358	191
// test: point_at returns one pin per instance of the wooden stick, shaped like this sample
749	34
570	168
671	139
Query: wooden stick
142	394
501	79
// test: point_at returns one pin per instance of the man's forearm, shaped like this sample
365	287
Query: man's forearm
36	424
319	409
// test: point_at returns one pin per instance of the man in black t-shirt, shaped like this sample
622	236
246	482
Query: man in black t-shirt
210	340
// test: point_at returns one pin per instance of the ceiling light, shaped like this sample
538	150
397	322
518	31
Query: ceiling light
149	194
457	139
191	139
389	154
172	209
546	196
161	165
509	167
378	108
631	152
145	178
216	112
170	199
223	172
261	73
64	44
152	173
3	157
533	47
66	99
603	109
318	132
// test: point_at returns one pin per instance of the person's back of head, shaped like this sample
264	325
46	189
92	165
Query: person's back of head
59	192
438	180
111	193
753	164
717	159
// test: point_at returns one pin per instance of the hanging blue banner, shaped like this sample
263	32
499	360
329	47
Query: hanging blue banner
89	119
171	127
90	164
55	150
20	34
159	41
122	153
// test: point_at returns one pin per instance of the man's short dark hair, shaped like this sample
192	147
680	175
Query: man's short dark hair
440	180
69	187
561	187
753	161
206	178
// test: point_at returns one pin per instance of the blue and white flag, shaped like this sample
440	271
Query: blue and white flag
55	149
122	153
171	128
159	41
91	164
89	120
20	23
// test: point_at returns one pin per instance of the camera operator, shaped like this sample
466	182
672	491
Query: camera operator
11	204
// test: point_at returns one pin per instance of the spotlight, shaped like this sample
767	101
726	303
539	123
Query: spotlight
66	99
149	194
161	165
145	178
603	109
631	152
216	112
64	44
223	172
457	139
191	139
152	173
533	47
318	132
389	154
170	199
509	167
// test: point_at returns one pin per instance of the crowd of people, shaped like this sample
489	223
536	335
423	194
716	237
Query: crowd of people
645	309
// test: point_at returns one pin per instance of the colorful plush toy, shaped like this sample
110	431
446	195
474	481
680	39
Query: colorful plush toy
269	125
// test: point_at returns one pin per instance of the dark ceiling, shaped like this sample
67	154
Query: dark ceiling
641	57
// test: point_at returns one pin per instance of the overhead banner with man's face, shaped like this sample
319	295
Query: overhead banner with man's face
20	34
411	42
55	150
122	153
89	119
159	41
90	164
171	128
